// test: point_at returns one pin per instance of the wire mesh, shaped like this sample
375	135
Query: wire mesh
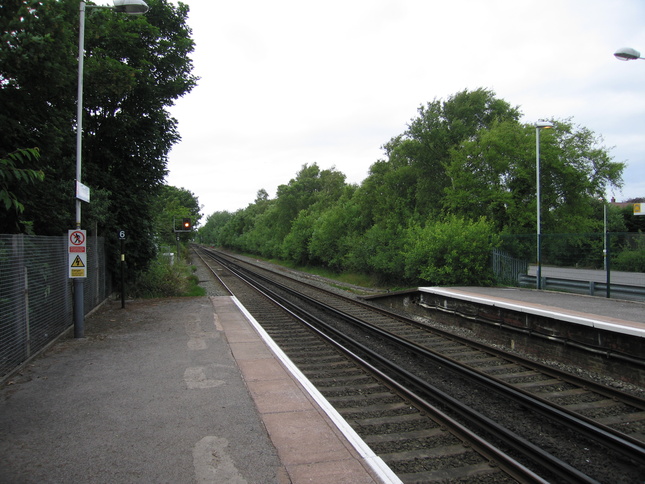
36	299
585	257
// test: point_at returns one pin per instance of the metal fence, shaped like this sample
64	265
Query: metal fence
592	259
36	294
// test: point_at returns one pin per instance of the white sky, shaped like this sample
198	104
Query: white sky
287	82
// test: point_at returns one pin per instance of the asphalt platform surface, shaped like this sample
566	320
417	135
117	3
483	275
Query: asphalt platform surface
152	394
593	307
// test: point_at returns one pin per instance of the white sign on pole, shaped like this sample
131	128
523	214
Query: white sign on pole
77	253
82	192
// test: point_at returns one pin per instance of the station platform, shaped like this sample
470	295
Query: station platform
174	390
615	315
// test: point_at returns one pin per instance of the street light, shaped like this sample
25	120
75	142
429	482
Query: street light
538	126
130	7
605	252
627	53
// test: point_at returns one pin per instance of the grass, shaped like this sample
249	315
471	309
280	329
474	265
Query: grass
344	279
194	289
164	279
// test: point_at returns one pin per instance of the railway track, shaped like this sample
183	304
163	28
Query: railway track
439	408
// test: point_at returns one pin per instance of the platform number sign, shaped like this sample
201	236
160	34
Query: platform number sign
121	234
77	253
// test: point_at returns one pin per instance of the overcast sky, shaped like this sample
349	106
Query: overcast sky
291	82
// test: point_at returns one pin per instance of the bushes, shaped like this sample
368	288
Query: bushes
163	279
451	252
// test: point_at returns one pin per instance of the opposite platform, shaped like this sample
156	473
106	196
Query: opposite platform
616	315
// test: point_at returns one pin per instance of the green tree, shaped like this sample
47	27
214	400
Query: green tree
170	208
13	175
493	174
450	252
136	67
211	231
423	150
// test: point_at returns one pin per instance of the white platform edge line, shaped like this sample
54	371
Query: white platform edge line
375	462
595	323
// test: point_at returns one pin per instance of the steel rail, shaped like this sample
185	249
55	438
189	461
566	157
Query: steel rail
595	387
533	452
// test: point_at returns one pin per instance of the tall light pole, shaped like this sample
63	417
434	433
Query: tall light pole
130	7
605	252
622	54
538	126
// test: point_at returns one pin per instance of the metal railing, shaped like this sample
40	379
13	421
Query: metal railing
36	294
607	265
591	288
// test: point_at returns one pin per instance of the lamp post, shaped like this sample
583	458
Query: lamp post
538	126
130	7
605	252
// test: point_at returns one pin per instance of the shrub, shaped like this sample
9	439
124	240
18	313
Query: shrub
451	252
629	260
163	279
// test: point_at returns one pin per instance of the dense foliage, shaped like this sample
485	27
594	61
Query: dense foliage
460	176
135	67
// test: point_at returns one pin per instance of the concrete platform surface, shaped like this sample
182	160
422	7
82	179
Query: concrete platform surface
606	313
171	391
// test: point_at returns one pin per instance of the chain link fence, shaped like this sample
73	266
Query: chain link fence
36	294
591	259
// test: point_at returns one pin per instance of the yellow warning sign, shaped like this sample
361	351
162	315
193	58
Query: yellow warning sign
77	272
78	262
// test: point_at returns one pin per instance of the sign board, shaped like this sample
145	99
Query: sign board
77	253
639	209
121	234
82	192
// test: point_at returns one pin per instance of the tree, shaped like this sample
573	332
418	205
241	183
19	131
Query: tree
13	175
170	207
210	233
450	252
135	68
38	66
493	174
423	150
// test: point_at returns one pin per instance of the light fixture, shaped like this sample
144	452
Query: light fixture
627	53
131	7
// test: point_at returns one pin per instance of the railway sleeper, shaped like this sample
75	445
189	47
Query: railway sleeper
492	369
455	474
319	357
590	406
427	453
479	361
434	432
359	380
538	383
387	420
364	397
382	408
363	390
572	392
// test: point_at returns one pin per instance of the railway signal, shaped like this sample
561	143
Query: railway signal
186	224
